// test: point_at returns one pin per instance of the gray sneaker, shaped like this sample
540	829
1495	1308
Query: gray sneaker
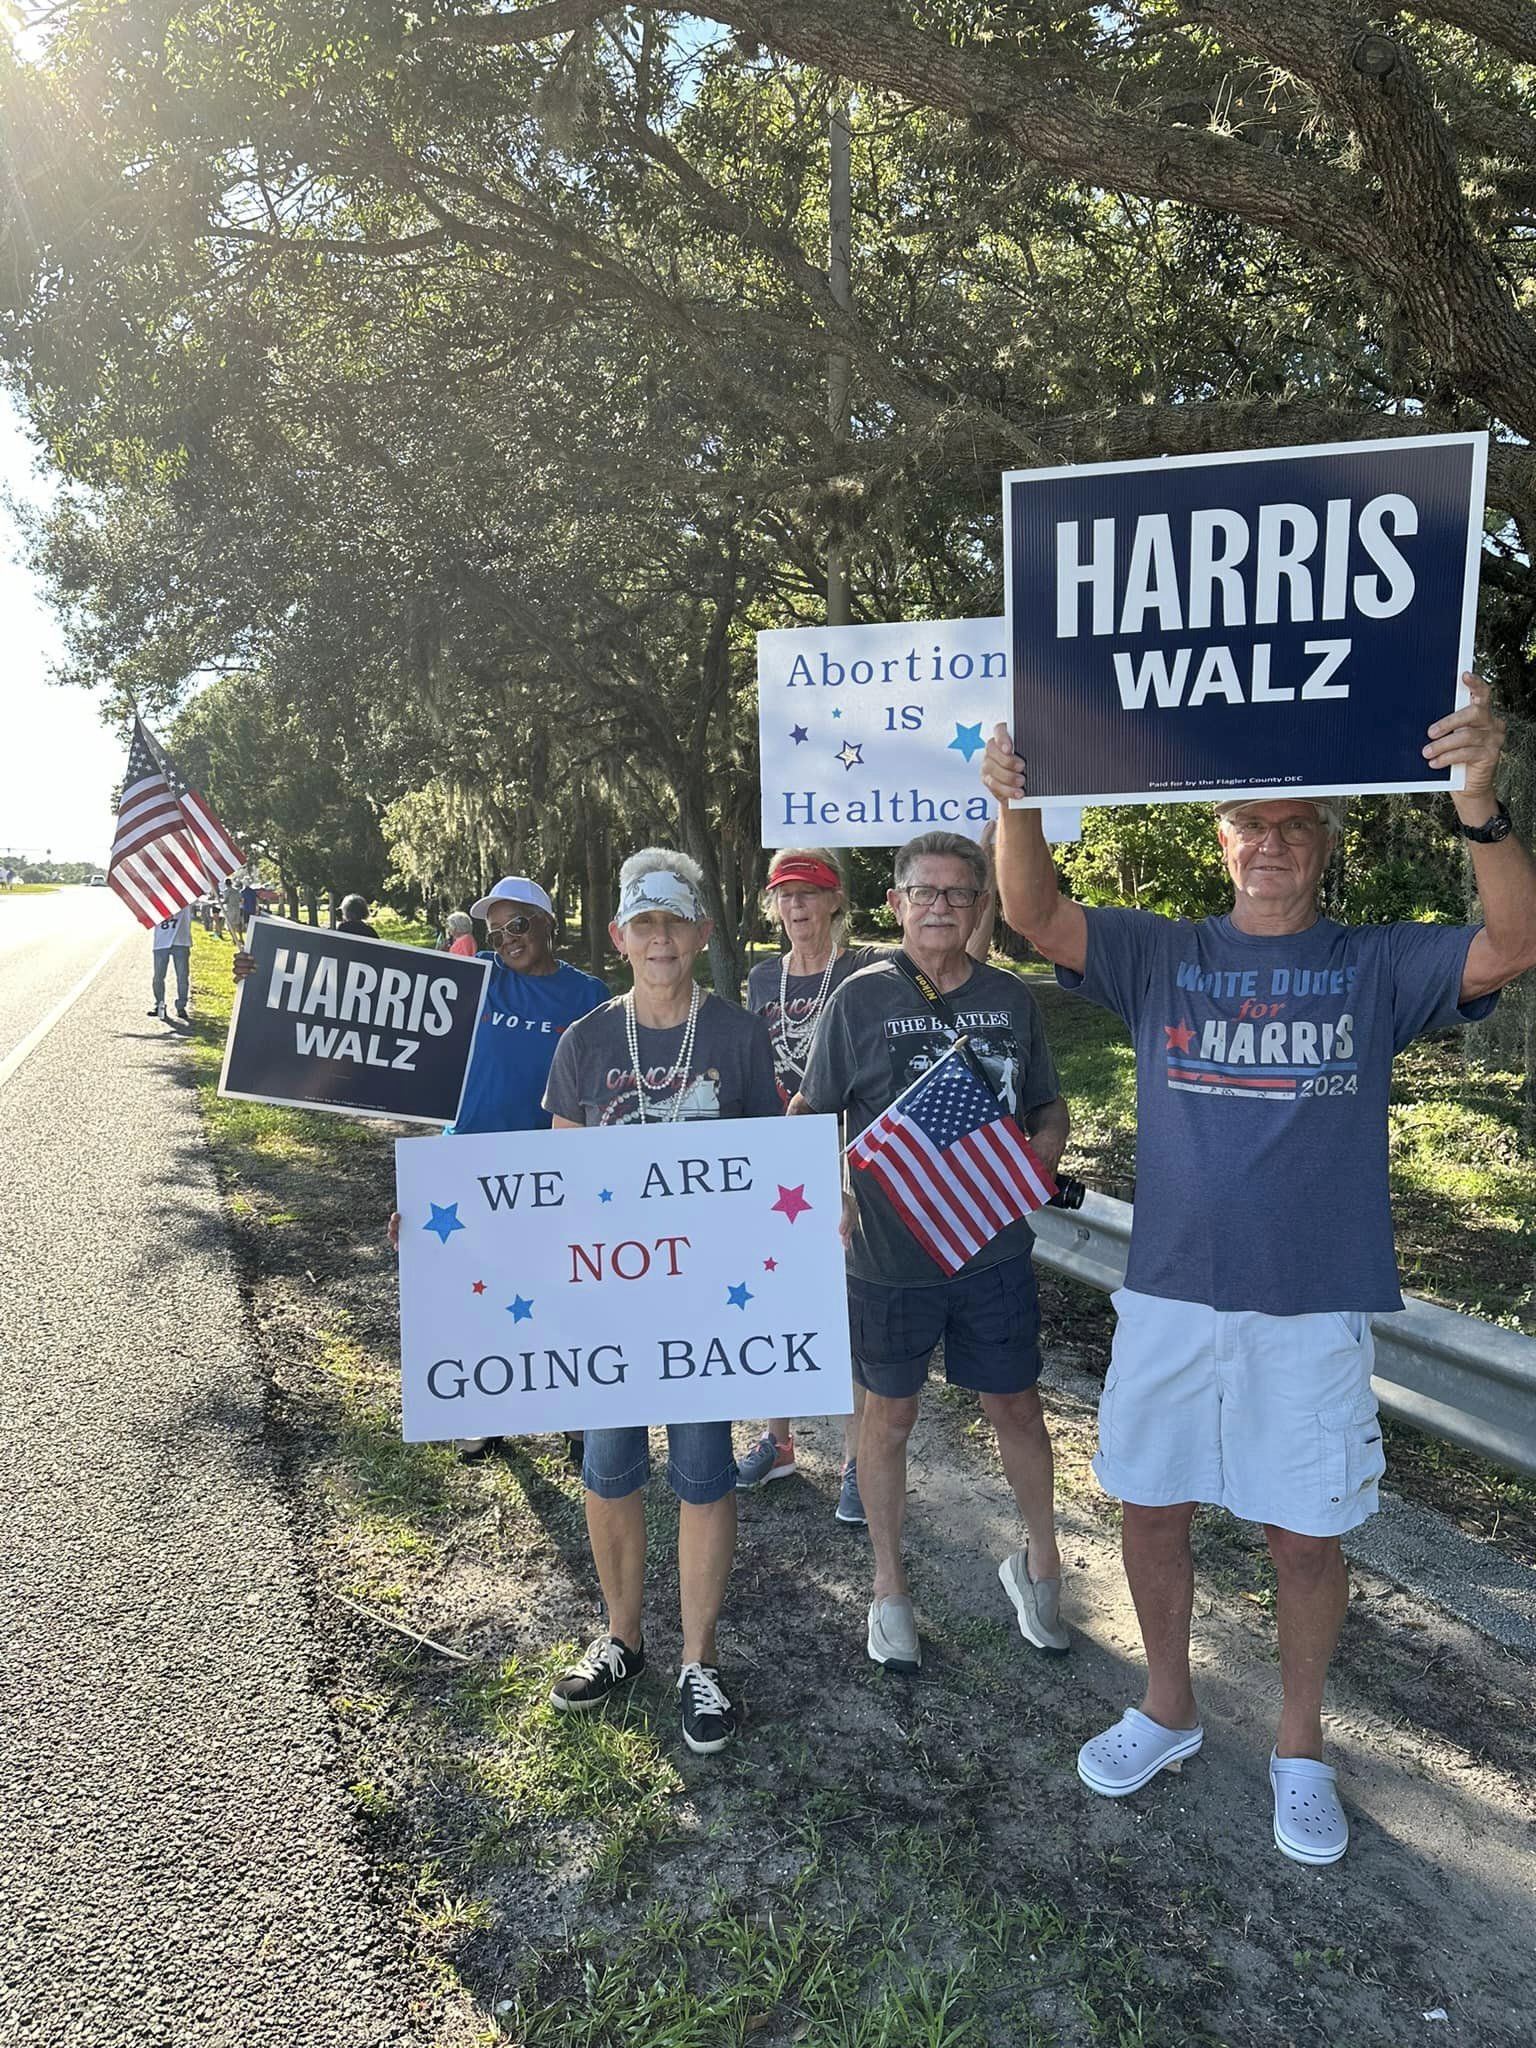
850	1508
768	1459
893	1635
1038	1603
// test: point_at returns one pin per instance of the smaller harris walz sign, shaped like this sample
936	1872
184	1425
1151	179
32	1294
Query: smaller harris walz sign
327	1021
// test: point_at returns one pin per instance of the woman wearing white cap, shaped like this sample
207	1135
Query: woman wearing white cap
530	999
665	1053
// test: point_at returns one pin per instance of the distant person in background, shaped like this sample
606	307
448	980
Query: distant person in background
250	903
171	941
234	916
354	918
459	934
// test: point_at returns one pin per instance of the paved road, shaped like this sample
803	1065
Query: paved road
47	943
177	1869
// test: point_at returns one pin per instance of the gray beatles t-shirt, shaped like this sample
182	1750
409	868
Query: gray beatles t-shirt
877	1035
730	1072
768	981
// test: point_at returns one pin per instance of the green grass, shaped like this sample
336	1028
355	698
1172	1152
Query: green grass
31	889
952	1963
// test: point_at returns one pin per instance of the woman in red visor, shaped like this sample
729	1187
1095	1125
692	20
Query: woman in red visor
807	899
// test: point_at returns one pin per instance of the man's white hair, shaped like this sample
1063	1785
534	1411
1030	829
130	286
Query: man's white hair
661	860
1329	808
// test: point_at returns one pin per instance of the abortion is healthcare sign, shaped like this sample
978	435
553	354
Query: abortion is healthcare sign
650	1273
1291	618
871	734
329	1021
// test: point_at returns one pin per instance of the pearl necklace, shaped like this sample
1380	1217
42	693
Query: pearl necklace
678	1077
795	1038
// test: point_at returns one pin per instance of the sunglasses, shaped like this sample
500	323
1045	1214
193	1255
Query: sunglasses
515	925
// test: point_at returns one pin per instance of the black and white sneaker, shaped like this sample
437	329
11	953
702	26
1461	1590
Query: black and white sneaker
607	1665
709	1719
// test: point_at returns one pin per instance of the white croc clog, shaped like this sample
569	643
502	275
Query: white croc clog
1310	1826
1127	1756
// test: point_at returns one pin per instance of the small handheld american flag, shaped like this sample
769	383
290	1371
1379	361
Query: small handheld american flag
957	1168
169	848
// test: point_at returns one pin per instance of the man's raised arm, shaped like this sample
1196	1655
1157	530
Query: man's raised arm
1473	738
1026	875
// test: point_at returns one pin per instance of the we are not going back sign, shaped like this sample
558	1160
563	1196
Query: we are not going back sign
1291	618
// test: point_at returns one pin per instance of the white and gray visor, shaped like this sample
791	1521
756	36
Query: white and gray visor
660	890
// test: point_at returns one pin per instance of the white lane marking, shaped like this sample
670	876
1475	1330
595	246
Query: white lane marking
39	1032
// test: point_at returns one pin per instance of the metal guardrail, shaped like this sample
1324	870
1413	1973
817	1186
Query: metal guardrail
1456	1377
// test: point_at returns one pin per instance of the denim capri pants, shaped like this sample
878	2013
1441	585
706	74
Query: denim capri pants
701	1466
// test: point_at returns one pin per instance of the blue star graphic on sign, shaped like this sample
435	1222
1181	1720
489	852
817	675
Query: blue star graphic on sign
798	733
967	740
837	714
851	754
519	1310
738	1296
605	1194
444	1221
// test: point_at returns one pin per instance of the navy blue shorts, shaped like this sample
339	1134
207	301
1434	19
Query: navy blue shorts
988	1323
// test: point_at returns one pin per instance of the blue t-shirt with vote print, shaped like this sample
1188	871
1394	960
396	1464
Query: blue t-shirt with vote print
1262	1073
521	1020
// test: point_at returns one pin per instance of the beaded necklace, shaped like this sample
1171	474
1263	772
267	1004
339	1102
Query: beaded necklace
795	1036
678	1077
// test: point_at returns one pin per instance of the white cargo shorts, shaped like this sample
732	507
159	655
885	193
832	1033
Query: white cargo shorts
1271	1417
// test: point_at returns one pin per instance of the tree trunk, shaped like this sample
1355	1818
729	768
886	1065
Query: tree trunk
594	897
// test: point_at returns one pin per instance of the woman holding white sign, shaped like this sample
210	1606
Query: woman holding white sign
664	1053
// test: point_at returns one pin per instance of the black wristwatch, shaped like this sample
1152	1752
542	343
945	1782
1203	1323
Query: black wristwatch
1498	827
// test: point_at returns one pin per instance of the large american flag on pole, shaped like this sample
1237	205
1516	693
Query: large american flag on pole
169	848
955	1165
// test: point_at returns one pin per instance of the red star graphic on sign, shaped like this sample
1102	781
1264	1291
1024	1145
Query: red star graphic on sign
792	1202
1180	1037
478	1288
770	1265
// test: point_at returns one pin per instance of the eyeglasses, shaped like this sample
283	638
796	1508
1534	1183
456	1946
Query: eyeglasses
1294	831
924	893
516	925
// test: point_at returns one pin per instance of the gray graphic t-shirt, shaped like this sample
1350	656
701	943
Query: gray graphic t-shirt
1262	1072
764	985
876	1036
730	1073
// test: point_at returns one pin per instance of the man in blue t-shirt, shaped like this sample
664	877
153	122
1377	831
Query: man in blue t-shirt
1262	1241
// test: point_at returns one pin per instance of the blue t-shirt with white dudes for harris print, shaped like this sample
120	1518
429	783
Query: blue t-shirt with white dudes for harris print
1262	1074
521	1022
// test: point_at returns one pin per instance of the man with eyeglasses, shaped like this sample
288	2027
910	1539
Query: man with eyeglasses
1262	1243
879	1031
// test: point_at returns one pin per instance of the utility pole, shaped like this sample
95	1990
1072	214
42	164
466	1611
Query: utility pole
839	239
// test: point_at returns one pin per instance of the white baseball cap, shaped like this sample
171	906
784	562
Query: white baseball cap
515	889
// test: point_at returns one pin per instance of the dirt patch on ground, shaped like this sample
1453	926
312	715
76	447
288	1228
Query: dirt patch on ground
877	1862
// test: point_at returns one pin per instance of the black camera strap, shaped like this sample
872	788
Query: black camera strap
944	1010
